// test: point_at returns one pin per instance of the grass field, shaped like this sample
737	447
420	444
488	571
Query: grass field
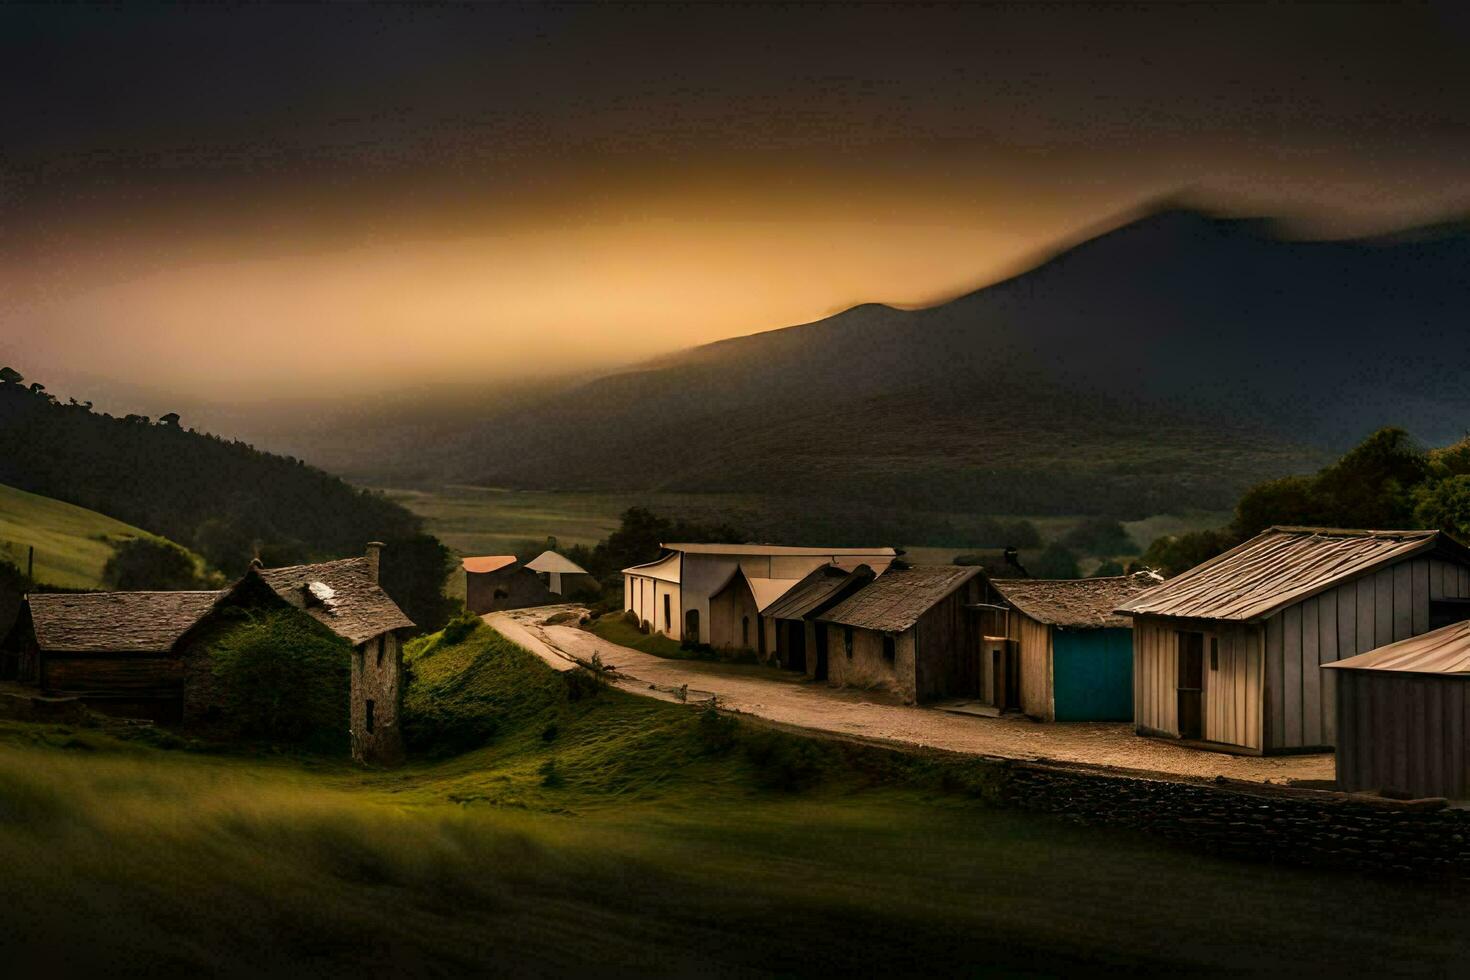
72	543
483	521
599	832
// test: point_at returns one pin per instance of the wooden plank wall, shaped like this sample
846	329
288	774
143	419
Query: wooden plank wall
1232	692
1034	640
943	636
1403	732
1366	613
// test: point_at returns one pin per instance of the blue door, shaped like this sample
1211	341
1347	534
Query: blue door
1092	674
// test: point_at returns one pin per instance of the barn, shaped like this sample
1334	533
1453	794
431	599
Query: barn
1402	722
910	631
496	582
114	650
560	574
800	639
672	594
1075	652
1226	655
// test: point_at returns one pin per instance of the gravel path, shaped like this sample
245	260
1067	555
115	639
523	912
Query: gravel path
789	699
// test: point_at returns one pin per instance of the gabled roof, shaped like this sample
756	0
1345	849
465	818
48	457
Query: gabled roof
1442	651
665	569
488	563
115	622
341	595
550	561
812	593
1280	567
777	550
895	600
763	590
1079	603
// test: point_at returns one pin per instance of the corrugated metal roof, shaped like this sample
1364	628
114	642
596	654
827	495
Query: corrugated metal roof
811	592
665	569
780	550
487	563
1276	568
551	561
895	600
115	622
1078	603
1442	651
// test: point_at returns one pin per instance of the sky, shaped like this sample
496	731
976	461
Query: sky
257	202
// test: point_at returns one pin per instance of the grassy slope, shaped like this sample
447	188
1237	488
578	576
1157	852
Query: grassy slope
72	543
664	849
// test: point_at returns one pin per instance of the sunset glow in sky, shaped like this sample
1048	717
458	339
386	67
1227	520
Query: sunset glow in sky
252	201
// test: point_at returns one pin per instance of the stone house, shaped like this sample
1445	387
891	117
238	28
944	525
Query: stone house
910	631
496	582
800	638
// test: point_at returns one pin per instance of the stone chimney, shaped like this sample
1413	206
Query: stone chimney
374	553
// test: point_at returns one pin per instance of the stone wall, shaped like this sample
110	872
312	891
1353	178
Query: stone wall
1278	824
377	670
867	668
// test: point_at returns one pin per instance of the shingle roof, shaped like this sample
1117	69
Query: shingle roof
775	549
817	588
351	604
1078	603
1442	651
115	622
895	600
550	561
1279	567
487	563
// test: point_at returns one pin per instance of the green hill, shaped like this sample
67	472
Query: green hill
72	543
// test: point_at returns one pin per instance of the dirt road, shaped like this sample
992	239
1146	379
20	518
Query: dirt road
789	699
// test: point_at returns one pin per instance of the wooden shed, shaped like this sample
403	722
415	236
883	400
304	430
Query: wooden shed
115	650
1227	654
1075	651
800	639
909	631
1403	716
496	582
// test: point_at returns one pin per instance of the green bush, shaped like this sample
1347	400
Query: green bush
283	677
150	564
785	762
458	629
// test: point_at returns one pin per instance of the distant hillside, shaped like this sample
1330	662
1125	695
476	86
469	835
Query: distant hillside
1167	364
225	500
72	543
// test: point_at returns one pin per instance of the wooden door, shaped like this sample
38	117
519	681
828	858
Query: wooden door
1191	684
820	673
796	647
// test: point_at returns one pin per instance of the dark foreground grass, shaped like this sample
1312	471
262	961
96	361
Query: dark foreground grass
668	841
615	629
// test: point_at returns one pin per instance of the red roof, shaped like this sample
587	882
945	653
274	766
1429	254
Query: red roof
489	563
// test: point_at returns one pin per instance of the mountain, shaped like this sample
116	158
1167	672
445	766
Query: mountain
1166	364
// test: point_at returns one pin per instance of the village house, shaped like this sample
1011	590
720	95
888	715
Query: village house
560	574
1402	723
1074	653
1226	655
141	654
496	582
800	638
910	631
672	593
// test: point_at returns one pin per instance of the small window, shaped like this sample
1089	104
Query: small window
888	649
668	614
1214	653
847	641
370	720
382	645
359	657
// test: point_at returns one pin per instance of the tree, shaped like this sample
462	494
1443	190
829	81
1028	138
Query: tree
10	376
1174	554
412	571
1100	536
1055	561
1445	505
283	677
1107	568
150	564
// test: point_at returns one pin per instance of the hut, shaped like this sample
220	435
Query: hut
1226	655
1075	653
1402	723
672	593
799	637
909	631
560	574
114	650
496	582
